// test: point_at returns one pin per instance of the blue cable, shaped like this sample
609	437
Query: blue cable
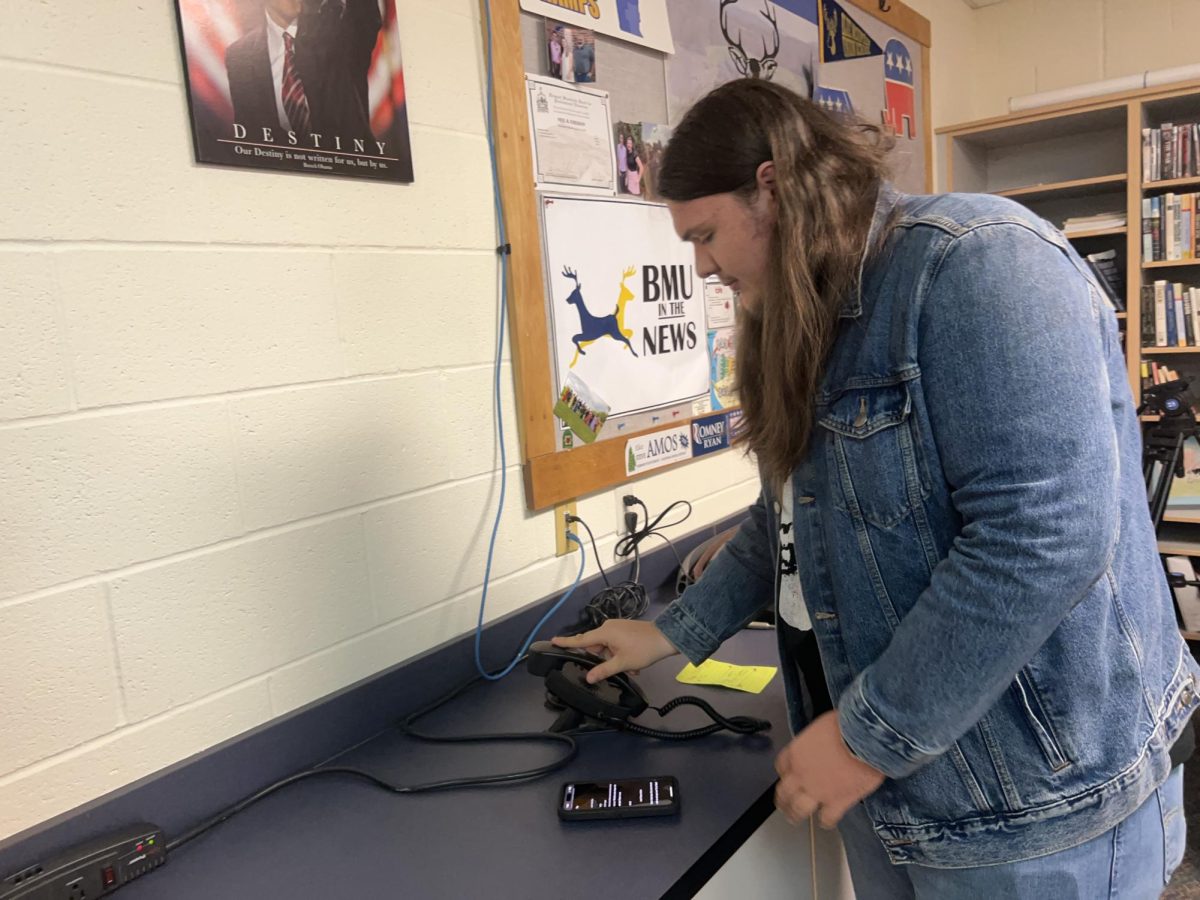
487	572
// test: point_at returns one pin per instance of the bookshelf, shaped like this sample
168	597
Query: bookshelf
1171	184
1170	263
1079	187
1083	159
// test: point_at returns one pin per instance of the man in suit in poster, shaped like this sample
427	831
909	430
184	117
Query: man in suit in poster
304	69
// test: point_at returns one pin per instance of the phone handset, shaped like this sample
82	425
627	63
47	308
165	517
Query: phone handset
616	699
613	700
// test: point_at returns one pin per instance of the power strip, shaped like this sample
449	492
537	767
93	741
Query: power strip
93	869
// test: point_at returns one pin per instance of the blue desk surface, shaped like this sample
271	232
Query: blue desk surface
341	838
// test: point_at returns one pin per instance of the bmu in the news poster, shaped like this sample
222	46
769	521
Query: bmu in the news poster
626	306
312	86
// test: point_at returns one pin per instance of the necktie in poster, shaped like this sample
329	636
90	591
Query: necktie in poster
626	306
312	86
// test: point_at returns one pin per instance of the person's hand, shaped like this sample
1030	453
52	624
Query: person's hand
627	645
710	551
818	774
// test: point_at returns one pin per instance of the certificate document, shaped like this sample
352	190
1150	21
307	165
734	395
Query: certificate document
572	137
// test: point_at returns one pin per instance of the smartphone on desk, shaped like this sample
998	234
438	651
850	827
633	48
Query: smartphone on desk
623	798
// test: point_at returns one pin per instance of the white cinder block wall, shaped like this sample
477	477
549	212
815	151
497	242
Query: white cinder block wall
244	418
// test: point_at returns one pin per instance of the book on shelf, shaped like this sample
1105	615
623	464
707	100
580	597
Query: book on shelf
1169	231
1183	318
1148	316
1154	372
1175	321
1171	151
1108	273
1099	222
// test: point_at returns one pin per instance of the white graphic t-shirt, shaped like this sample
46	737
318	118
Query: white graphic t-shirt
791	596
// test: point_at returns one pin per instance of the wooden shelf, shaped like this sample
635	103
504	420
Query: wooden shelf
1179	548
1170	263
1179	540
1171	183
1098	232
1122	315
1183	516
1153	351
1190	635
1062	189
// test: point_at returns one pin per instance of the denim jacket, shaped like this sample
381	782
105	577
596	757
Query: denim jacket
974	545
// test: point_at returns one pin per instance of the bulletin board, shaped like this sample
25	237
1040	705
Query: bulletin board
868	56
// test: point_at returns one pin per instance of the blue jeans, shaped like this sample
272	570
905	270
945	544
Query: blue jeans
1133	861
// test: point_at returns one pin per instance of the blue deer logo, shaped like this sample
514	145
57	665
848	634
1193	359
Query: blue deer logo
592	328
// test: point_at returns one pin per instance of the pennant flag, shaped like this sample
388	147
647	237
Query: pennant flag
842	38
834	100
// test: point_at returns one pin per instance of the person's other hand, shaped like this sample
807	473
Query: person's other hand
710	551
818	774
626	645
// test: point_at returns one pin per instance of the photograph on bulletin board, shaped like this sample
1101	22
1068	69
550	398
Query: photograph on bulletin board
627	310
311	86
571	53
722	40
639	150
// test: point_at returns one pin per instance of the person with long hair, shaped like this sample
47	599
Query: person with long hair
989	692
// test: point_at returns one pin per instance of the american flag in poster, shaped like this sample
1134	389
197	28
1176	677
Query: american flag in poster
312	86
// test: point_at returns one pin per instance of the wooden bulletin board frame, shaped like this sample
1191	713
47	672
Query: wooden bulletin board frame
552	476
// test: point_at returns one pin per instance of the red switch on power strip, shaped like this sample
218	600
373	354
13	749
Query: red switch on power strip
109	876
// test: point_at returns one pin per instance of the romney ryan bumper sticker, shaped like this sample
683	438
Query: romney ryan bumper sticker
710	434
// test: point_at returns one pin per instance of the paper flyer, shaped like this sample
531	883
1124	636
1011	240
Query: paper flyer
751	679
719	304
722	370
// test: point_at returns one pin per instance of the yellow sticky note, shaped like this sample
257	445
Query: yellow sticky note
751	679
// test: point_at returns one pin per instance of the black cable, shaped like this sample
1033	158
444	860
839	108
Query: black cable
626	600
629	599
267	791
405	726
736	724
595	549
626	545
674	551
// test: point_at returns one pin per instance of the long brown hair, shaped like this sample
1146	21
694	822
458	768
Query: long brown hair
828	171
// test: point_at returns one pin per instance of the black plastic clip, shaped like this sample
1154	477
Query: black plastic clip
504	249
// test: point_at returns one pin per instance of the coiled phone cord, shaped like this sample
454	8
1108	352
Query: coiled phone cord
736	724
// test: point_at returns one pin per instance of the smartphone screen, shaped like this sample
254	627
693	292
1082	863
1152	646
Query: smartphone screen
628	794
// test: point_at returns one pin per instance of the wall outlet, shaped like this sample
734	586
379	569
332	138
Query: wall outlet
561	545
